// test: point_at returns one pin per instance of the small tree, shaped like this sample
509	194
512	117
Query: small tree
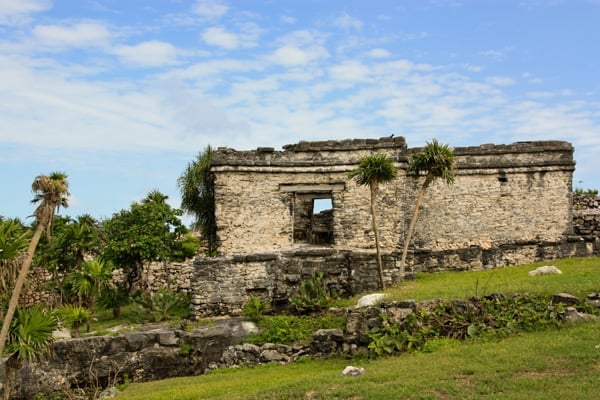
436	161
148	231
372	171
51	192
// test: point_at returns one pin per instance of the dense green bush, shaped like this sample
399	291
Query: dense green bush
160	306
313	295
488	318
290	329
255	309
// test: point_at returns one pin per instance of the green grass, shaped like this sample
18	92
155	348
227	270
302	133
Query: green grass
553	364
580	277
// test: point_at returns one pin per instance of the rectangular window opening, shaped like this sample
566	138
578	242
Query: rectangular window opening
313	218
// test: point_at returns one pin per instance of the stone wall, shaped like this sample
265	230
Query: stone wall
510	204
151	354
222	285
502	194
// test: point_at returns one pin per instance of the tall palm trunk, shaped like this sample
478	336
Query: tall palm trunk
413	222
376	232
16	293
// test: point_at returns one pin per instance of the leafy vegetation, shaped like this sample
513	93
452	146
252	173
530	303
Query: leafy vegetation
74	317
159	306
290	329
255	309
197	186
549	365
50	193
313	295
586	192
148	231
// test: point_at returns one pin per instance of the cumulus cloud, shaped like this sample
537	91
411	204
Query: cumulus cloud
152	53
14	12
219	37
347	22
209	8
379	53
82	34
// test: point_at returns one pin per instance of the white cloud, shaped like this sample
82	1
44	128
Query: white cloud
349	71
14	12
83	34
210	8
219	37
473	68
290	55
347	22
379	53
153	53
500	81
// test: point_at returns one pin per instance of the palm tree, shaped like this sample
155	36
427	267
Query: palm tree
13	243
30	335
372	171
51	192
436	161
197	186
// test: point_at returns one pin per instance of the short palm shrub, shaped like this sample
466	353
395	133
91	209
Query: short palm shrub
74	317
159	306
313	295
255	309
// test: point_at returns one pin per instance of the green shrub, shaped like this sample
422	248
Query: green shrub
160	306
254	309
74	317
313	295
290	329
491	318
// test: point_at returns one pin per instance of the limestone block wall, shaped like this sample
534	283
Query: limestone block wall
256	191
222	285
502	194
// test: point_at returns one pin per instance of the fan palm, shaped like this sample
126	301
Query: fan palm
372	171
51	192
436	161
30	335
196	184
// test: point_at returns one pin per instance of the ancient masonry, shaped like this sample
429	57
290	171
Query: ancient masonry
510	204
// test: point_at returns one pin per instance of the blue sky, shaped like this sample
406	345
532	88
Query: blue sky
121	95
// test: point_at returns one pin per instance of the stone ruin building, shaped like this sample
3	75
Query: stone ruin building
510	204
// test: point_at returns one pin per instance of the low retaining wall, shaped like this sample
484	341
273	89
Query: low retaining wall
222	285
101	361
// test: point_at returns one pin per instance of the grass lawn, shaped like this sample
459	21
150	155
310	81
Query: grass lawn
554	364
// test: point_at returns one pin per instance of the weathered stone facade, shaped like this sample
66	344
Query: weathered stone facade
260	193
510	204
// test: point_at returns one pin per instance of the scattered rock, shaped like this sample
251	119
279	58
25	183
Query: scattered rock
353	371
573	316
565	298
545	270
593	299
369	300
